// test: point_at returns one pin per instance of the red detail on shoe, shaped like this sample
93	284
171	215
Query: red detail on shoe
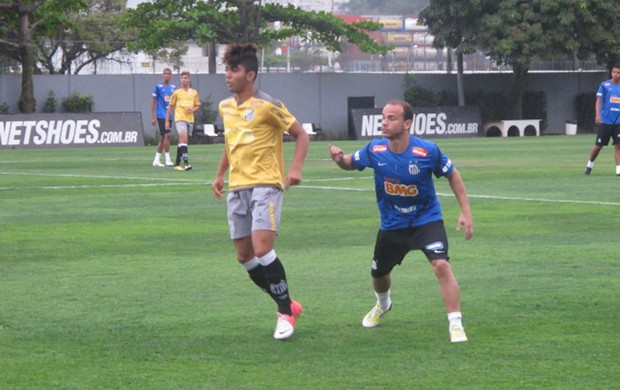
296	308
287	318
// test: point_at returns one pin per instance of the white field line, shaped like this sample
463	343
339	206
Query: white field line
88	176
187	182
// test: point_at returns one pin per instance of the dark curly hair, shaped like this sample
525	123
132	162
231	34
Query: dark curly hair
241	54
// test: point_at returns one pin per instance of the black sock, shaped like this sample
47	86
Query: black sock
178	160
185	154
258	277
278	288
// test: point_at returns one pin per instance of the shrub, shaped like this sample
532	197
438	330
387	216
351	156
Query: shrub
206	113
492	105
584	107
535	107
78	103
51	103
419	96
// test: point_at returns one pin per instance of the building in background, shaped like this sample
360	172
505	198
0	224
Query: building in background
312	5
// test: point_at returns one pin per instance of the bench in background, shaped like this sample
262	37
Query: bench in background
209	133
512	128
206	133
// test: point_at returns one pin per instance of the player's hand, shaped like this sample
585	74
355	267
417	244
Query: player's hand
218	187
153	121
293	178
466	222
336	154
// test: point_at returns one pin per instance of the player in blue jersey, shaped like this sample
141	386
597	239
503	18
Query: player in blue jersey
411	216
159	105
607	113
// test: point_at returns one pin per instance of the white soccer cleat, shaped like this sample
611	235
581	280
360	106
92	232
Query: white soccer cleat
285	327
169	163
374	316
457	333
157	164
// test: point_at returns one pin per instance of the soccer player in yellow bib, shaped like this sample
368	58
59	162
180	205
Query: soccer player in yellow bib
185	102
254	126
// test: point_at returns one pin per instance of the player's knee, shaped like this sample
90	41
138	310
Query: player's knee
378	271
441	267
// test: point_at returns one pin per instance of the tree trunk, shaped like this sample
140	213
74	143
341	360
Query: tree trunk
27	103
212	58
459	79
516	95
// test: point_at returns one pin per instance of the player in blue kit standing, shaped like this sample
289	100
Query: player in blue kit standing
607	116
411	216
162	92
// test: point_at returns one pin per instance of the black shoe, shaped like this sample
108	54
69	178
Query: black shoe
587	171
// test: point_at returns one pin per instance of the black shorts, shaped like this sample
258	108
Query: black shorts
606	132
162	127
392	246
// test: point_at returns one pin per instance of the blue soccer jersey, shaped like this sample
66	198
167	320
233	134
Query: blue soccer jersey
404	182
610	109
162	93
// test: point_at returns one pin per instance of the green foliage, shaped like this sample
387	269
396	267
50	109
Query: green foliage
535	107
492	105
91	34
207	113
271	60
51	103
453	24
78	103
516	32
163	22
22	24
419	96
584	107
4	108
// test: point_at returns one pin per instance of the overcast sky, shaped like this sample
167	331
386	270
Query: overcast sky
133	3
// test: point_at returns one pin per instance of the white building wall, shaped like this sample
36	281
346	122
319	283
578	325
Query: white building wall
312	5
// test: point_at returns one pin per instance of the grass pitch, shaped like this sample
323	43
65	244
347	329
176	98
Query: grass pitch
118	275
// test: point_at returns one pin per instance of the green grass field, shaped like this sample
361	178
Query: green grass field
118	275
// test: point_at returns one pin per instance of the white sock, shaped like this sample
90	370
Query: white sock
268	258
157	156
168	156
590	164
384	300
251	264
617	169
455	318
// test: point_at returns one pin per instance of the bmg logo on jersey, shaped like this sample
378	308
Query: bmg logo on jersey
400	189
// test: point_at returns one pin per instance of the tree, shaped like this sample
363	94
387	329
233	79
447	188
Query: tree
22	23
514	32
593	30
163	22
94	34
517	31
453	25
